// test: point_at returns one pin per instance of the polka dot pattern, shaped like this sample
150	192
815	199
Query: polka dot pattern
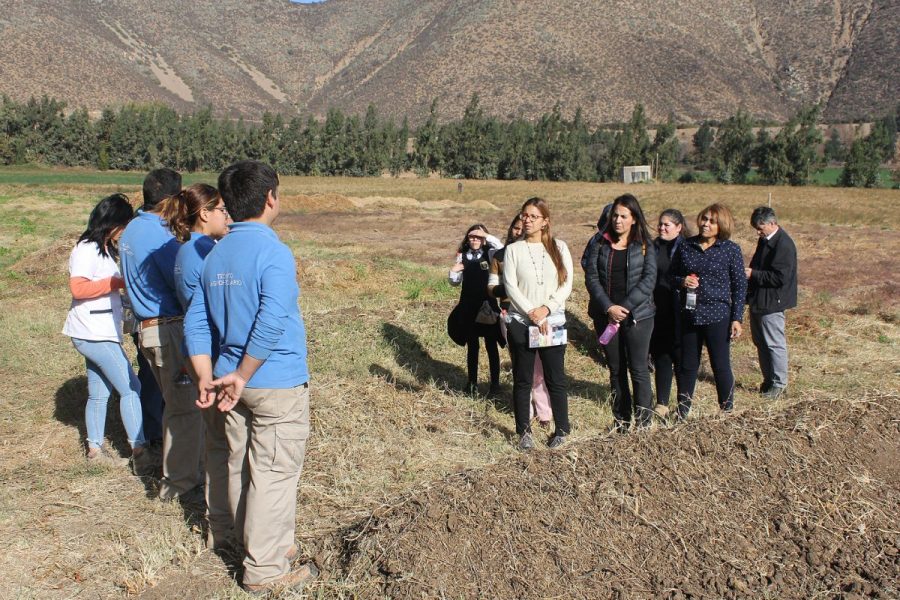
723	285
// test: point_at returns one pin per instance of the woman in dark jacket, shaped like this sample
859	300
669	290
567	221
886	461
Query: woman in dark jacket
620	276
664	341
472	269
709	267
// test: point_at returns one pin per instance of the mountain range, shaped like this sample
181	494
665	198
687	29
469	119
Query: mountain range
696	59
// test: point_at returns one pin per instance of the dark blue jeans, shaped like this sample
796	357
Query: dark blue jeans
717	338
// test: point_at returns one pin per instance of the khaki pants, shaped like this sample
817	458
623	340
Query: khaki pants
218	509
267	433
182	422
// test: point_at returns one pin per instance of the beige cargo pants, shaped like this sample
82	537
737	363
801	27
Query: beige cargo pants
182	422
267	432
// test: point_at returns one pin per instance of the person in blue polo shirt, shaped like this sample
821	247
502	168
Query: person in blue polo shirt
247	298
147	250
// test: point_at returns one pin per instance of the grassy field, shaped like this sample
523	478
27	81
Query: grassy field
389	415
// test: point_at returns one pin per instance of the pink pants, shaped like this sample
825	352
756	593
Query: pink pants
540	397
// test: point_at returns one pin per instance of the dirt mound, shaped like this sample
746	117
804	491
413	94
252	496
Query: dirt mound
49	261
797	504
315	202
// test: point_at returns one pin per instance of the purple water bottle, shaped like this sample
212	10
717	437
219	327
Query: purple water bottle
611	330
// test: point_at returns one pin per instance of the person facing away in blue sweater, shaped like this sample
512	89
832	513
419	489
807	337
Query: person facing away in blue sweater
248	294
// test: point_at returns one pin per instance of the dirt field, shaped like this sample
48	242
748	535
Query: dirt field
413	489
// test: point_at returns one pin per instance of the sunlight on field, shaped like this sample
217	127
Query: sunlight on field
389	414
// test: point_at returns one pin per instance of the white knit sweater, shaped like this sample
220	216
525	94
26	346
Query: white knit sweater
531	279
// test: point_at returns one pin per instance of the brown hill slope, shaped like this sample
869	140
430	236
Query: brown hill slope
698	58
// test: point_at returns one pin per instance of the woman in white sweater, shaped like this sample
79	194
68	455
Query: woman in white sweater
537	275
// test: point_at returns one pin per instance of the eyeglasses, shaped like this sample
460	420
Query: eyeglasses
222	208
528	217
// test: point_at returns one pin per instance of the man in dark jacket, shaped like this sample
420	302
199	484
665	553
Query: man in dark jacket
771	290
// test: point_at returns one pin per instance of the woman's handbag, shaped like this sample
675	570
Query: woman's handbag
456	329
486	314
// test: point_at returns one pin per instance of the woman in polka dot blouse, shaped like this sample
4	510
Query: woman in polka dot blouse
711	266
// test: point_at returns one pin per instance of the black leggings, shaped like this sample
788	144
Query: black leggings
553	359
490	345
627	353
717	337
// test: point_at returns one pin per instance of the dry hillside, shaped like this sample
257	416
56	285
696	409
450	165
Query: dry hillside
698	58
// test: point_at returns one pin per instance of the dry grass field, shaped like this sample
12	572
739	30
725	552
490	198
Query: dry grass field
397	445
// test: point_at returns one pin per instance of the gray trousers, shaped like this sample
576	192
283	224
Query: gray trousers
771	347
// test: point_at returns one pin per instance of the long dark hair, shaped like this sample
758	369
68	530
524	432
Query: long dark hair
110	213
182	211
640	231
464	245
509	232
547	238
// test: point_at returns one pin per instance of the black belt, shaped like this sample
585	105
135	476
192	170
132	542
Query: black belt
106	311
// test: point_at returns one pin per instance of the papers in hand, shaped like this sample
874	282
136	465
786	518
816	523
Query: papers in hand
557	336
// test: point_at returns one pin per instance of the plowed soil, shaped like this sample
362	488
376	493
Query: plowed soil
799	504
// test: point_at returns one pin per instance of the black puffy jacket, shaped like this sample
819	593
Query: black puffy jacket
640	267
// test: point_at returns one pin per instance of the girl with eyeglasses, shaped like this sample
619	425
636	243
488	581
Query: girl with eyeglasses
540	398
620	275
477	313
94	323
198	218
537	277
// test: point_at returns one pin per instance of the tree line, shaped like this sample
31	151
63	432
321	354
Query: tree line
476	146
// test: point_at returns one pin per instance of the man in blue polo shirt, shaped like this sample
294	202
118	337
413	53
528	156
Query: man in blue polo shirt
248	296
147	250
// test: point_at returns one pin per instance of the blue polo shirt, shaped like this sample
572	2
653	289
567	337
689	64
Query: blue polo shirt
189	264
147	250
723	284
248	295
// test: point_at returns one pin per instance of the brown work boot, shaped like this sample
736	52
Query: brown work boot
102	456
661	411
144	462
295	580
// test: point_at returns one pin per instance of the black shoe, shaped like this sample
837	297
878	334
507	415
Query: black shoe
765	386
472	389
775	392
620	427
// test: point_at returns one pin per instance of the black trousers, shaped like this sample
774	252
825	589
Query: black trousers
717	338
493	353
627	353
553	359
665	351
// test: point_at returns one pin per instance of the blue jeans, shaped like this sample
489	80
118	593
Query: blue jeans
108	369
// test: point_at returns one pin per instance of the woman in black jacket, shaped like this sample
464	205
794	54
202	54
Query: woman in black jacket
472	268
620	277
664	341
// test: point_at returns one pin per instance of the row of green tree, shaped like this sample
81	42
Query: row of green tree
479	146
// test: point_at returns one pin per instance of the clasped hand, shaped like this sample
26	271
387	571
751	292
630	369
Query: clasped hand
226	390
539	316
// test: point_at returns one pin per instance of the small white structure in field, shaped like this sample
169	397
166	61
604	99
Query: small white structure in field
636	174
